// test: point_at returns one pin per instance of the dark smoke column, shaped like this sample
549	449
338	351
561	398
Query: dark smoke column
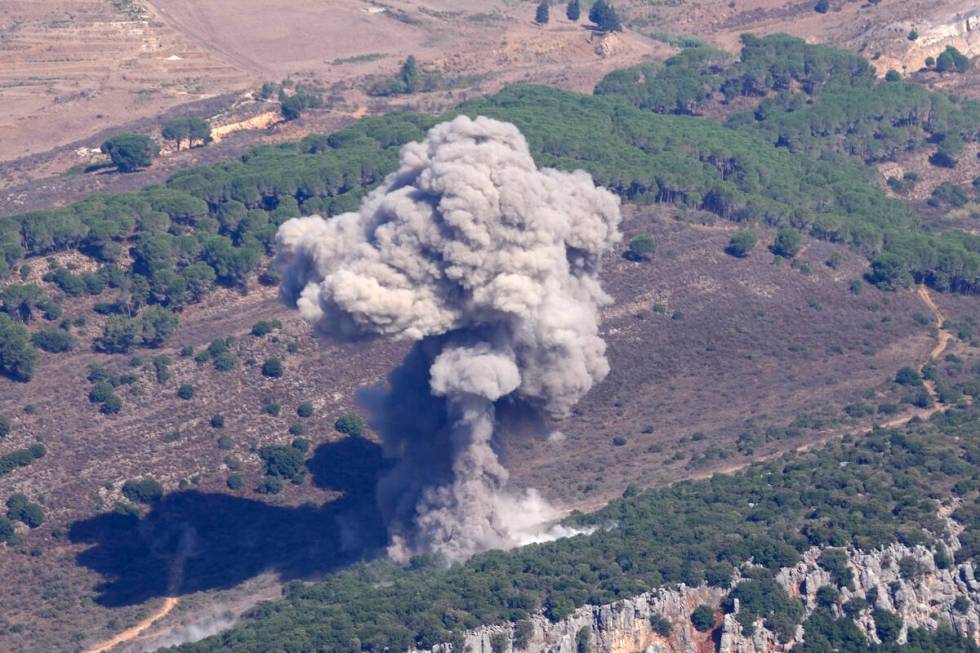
491	265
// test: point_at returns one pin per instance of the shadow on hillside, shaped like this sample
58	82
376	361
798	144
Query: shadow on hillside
192	541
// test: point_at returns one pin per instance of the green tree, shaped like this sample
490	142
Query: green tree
282	461
130	152
409	74
822	6
156	325
120	334
18	300
542	15
661	625
272	368
350	424
703	618
641	248
787	242
179	130
185	391
573	10
305	409
887	625
145	490
604	16
952	60
53	341
908	376
741	243
17	356
893	76
583	640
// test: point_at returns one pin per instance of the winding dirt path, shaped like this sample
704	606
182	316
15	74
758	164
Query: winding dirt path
169	603
942	342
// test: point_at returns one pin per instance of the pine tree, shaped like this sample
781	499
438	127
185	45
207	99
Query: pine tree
542	15
573	11
605	17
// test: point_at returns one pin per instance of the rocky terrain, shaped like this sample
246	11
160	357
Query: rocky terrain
923	601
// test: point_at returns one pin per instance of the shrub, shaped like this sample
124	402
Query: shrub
661	625
641	248
270	407
225	442
282	461
112	405
741	243
893	76
297	429
583	638
185	391
703	618
272	368
887	626
234	481
145	490
100	392
265	327
787	242
822	6
218	421
300	444
17	356
270	485
32	514
161	366
224	362
54	341
619	441
908	376
835	561
305	409
7	532
499	641
4	427
827	596
233	463
350	424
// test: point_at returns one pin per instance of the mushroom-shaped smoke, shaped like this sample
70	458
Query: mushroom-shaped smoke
491	265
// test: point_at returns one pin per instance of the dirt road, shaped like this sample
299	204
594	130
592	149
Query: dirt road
169	603
942	342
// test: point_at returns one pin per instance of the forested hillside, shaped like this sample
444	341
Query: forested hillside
798	161
862	493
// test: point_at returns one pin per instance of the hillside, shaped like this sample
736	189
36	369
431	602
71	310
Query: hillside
175	440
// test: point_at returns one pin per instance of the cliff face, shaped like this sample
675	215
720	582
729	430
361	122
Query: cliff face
923	596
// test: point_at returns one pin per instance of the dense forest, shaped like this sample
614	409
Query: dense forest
860	493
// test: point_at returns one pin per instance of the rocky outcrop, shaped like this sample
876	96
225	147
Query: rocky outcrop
906	581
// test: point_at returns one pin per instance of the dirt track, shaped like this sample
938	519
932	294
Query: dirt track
942	342
169	603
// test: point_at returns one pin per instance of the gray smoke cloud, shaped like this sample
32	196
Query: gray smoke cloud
491	265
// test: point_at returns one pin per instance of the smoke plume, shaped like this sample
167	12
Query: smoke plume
491	265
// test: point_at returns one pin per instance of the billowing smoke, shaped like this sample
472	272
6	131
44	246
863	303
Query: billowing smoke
490	265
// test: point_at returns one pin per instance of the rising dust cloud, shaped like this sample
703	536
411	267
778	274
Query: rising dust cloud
491	266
